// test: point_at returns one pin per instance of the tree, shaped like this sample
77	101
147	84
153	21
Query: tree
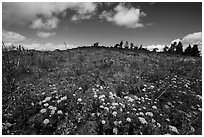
96	44
126	46
116	45
179	48
121	44
140	47
131	45
172	48
187	51
194	51
155	49
165	49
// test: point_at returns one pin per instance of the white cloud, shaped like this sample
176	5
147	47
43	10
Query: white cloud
12	37
193	38
47	24
123	16
48	46
43	34
25	12
159	47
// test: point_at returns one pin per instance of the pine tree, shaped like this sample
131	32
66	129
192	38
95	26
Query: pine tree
172	48
165	49
126	46
195	51
131	45
187	51
121	44
179	48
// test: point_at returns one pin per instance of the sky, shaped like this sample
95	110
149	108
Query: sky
46	26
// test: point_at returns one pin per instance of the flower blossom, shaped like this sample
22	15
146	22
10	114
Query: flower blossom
128	119
142	120
42	110
46	121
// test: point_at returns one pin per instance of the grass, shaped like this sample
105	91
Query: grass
100	91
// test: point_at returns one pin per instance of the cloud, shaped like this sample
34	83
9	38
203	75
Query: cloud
12	37
43	34
48	46
24	12
159	47
47	24
124	16
193	38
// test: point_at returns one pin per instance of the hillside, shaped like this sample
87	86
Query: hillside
100	91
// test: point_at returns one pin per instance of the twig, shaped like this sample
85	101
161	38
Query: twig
163	92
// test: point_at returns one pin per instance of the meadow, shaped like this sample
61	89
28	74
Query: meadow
91	91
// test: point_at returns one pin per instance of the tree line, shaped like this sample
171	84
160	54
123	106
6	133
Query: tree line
175	48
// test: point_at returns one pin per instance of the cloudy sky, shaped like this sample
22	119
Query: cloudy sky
48	25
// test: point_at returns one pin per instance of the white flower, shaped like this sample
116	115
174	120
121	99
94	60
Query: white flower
74	95
95	96
128	119
40	103
114	104
154	107
174	129
46	104
121	109
103	99
103	122
42	110
58	101
115	123
166	106
32	104
153	120
46	121
52	112
80	88
158	124
120	122
115	130
144	107
200	109
101	106
114	113
142	120
151	87
141	113
59	112
106	108
79	99
51	107
47	99
149	114
64	98
199	97
192	129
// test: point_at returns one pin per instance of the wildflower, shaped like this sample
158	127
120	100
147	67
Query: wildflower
154	107
74	95
103	122
199	97
128	119
115	123
168	119
153	120
52	112
141	113
32	104
158	124
46	121
63	98
79	99
121	109
149	114
59	112
115	130
51	107
103	99
174	129
58	101
106	108
42	110
144	107
55	91
142	120
46	104
93	114
40	103
120	122
200	109
80	88
114	113
47	99
192	129
114	104
95	96
166	106
101	106
151	87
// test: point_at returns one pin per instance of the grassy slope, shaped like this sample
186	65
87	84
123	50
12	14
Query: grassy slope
168	82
